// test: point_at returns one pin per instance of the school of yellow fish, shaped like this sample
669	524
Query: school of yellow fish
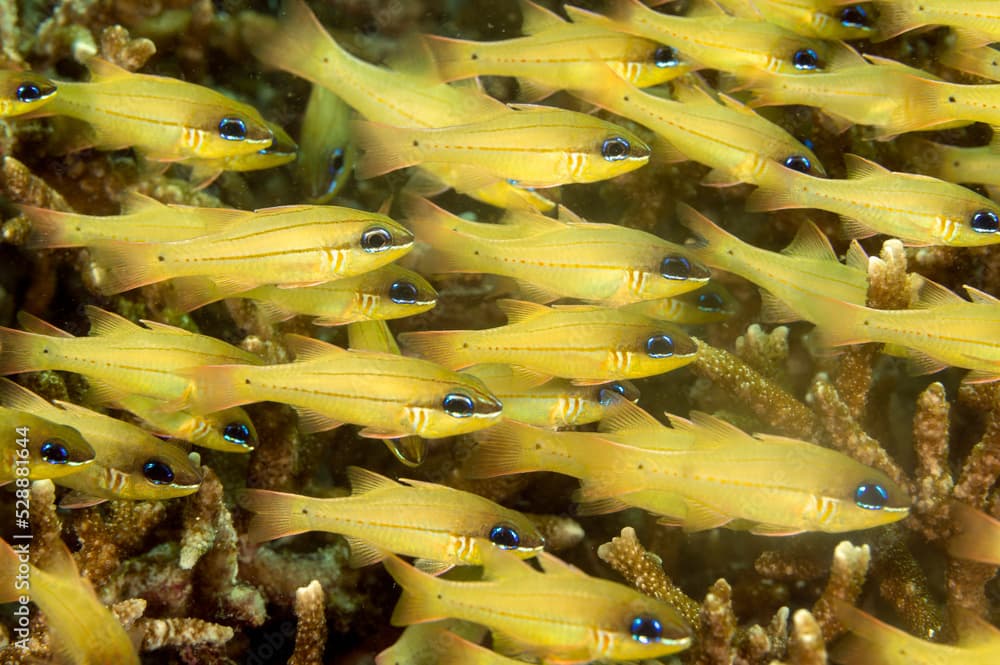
600	304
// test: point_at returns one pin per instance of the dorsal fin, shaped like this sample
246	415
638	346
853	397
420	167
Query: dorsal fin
33	324
307	348
858	167
981	297
530	222
567	216
520	311
535	18
715	431
364	481
414	58
811	243
931	294
553	565
371	336
18	397
502	565
693	90
134	202
857	257
165	328
103	322
624	416
102	70
58	561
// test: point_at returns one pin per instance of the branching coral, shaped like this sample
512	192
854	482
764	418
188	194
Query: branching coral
310	636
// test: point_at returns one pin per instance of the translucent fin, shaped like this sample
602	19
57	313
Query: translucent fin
103	322
384	149
624	416
774	310
77	499
376	433
602	506
535	18
553	565
981	297
537	294
363	481
919	363
308	348
701	517
363	553
519	311
37	326
276	514
438	346
931	295
421	599
810	242
432	567
857	257
773	530
858	167
311	421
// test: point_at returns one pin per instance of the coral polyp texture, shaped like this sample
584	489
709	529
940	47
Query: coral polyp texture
417	332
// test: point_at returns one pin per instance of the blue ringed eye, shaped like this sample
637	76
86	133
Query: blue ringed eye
458	405
665	56
403	292
54	452
158	473
799	163
854	16
28	92
232	129
237	433
660	346
871	496
984	221
376	239
505	537
675	267
646	629
806	59
710	302
615	149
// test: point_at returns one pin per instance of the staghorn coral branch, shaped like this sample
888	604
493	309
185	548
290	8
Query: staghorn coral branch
847	575
310	636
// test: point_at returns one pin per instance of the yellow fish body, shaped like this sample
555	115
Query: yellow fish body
436	644
727	43
873	642
701	474
712	303
794	281
556	403
810	18
558	55
945	330
23	92
281	151
560	615
534	146
565	258
441	526
42	448
83	631
300	45
589	345
977	537
980	17
391	396
129	462
389	292
977	59
165	119
738	144
957	163
285	245
125	357
917	209
328	152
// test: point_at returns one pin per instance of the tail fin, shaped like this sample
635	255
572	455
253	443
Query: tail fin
214	388
977	535
9	591
298	44
713	241
437	346
51	228
503	450
421	600
128	266
19	351
454	57
384	149
276	514
444	233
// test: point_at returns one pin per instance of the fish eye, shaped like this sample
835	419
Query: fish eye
458	405
645	629
710	302
984	221
660	346
28	92
232	129
806	59
158	472
403	293
54	451
335	162
665	56
505	537
675	267
871	496
376	239
854	16
610	392
237	433
799	163
615	149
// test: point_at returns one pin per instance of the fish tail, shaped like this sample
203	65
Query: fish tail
128	266
712	238
214	388
51	228
8	574
437	346
420	600
297	44
505	449
191	293
844	325
974	535
384	149
22	351
454	57
451	248
775	191
276	514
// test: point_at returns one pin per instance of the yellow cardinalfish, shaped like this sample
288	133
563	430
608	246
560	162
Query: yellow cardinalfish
290	245
328	152
281	151
727	43
441	526
535	146
129	462
873	642
23	92
142	219
564	258
956	163
560	615
557	55
942	330
795	280
436	644
712	303
917	209
977	537
979	60
765	484
83	631
118	356
165	119
981	17
737	143
811	18
299	44
589	345
44	449
391	396
389	292
556	403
